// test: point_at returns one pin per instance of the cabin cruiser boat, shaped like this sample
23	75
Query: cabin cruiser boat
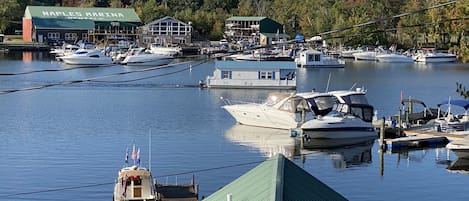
170	51
66	49
430	55
452	122
87	57
369	55
134	182
142	57
345	121
317	59
282	110
351	117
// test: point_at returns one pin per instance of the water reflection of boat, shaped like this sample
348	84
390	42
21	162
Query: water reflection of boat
461	165
267	140
347	156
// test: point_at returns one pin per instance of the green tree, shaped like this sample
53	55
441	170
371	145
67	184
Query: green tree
7	7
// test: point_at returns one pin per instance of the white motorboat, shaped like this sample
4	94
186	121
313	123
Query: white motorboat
134	182
348	53
430	55
170	51
452	122
317	59
66	49
394	58
346	121
87	57
369	55
282	110
142	57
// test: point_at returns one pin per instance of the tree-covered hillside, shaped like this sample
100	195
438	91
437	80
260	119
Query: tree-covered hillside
445	26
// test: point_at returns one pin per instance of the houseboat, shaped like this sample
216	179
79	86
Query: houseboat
252	75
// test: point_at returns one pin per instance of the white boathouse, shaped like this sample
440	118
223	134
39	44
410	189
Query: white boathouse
253	75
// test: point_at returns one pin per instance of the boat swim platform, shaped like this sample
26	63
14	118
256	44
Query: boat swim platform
178	192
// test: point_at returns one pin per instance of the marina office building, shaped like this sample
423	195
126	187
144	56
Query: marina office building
262	30
167	31
72	24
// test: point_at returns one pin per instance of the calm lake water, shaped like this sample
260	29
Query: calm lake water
58	140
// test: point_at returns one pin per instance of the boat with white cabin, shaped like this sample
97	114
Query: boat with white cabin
317	59
394	58
87	57
351	117
431	55
134	182
143	57
165	50
282	110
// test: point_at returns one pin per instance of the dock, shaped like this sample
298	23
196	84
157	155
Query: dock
178	192
412	142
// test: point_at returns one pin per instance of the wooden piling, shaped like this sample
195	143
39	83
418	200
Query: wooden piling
381	134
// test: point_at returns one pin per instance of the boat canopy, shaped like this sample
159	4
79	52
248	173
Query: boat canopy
461	103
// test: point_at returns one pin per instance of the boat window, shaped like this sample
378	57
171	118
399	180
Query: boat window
356	99
94	56
314	57
81	52
225	74
263	75
137	182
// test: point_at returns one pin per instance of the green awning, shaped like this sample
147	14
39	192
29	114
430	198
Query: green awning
72	24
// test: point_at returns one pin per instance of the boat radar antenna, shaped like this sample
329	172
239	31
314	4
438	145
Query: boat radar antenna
353	86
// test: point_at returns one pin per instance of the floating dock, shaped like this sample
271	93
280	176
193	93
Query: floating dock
178	192
412	142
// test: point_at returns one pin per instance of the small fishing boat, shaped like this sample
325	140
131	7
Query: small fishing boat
134	182
317	59
452	122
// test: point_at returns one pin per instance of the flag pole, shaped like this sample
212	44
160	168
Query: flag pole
149	150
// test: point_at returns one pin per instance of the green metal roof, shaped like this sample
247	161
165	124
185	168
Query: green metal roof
75	24
276	179
95	14
245	18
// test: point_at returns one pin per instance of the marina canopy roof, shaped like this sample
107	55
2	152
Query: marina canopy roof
77	18
277	179
79	13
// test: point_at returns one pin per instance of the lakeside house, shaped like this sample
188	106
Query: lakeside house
167	31
254	29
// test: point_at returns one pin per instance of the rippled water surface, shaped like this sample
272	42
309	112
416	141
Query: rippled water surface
62	137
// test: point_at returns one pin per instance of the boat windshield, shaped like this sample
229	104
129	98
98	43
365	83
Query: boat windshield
322	105
295	104
355	99
275	98
362	111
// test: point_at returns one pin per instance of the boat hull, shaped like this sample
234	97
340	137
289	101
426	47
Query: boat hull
369	56
338	128
159	62
435	59
461	149
394	58
339	142
261	116
82	61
